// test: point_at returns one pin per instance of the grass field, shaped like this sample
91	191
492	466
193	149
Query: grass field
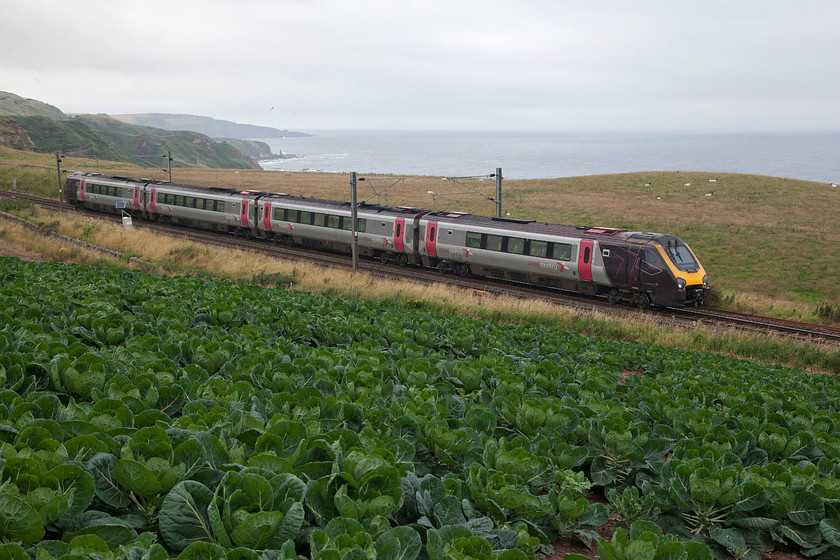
770	245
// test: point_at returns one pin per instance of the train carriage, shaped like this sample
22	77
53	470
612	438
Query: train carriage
646	268
204	207
105	194
383	232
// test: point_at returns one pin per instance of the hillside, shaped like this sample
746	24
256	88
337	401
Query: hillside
17	106
214	128
27	124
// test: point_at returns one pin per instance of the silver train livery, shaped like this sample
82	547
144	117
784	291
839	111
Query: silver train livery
647	269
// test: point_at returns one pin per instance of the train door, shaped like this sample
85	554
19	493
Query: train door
431	238
152	201
244	216
585	259
267	216
82	190
399	232
137	198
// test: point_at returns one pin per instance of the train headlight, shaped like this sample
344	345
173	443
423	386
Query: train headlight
705	280
681	283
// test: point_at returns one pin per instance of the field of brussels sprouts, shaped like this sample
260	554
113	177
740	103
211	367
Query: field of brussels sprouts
146	417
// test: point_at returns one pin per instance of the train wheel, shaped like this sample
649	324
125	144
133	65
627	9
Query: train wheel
644	302
462	270
402	260
614	296
286	241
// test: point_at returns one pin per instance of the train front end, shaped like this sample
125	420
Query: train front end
690	276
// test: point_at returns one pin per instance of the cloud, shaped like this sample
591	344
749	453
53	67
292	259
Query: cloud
434	64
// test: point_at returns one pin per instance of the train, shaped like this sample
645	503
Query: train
640	268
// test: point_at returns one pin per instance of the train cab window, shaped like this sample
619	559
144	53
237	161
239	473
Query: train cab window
515	245
474	240
538	248
561	252
649	256
494	242
681	257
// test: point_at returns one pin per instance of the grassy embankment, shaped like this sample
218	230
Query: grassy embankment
760	259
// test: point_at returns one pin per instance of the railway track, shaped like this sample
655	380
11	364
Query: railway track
674	317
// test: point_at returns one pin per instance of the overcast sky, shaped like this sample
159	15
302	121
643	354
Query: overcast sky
711	65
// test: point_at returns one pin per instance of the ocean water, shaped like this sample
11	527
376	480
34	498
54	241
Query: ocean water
534	155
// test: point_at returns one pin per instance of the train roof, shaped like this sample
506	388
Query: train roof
532	226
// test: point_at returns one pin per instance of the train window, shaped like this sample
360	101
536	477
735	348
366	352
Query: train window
399	231
515	245
306	218
179	200
562	252
605	253
320	220
474	239
681	256
332	221
432	233
538	248
586	254
279	214
189	201
361	225
293	215
494	243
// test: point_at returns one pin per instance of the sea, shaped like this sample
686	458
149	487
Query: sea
537	155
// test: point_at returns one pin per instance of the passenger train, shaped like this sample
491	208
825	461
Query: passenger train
647	269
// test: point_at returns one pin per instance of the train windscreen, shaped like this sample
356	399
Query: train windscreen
681	257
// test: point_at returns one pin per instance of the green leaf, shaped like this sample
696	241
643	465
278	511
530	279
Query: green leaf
13	551
257	529
399	543
640	550
203	551
101	468
807	508
730	539
183	515
19	521
830	529
135	477
289	527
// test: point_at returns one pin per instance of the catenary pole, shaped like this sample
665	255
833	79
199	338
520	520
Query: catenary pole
498	192
353	213
58	167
